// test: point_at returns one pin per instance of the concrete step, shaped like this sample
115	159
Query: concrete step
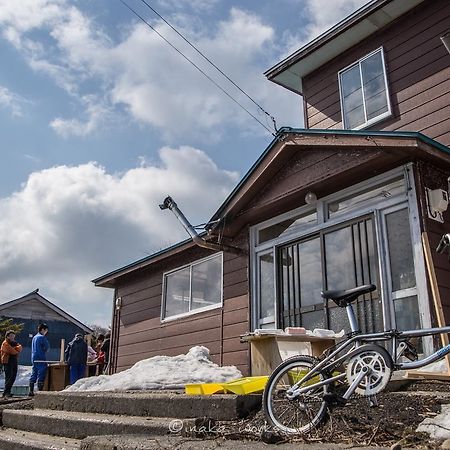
24	440
151	404
78	425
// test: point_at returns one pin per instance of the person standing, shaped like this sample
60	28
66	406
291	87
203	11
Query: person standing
9	351
100	353
76	356
105	349
39	348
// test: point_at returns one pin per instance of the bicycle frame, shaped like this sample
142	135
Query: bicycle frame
355	341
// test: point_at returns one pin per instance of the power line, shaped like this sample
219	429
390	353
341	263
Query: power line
202	71
212	63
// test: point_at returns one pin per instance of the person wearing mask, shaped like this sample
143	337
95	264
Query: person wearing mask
39	348
76	357
9	351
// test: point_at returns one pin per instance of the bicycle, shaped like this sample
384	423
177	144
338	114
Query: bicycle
302	389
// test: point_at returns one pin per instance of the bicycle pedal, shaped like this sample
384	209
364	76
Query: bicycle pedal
333	398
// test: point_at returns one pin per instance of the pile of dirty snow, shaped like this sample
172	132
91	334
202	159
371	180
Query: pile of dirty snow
162	372
437	427
22	379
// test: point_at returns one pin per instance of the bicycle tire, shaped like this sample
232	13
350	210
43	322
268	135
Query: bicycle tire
308	409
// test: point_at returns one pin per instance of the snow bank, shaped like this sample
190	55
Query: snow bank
162	372
22	379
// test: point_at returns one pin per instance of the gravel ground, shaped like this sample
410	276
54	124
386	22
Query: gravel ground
393	422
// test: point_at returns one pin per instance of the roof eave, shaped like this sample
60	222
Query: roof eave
109	280
347	33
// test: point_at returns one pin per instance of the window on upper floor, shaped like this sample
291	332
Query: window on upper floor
364	92
193	288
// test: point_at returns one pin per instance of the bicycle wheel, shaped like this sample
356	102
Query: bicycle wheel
307	410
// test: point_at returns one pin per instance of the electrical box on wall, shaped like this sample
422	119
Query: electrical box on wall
437	203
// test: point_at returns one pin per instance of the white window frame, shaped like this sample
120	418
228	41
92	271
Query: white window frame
380	117
197	310
408	199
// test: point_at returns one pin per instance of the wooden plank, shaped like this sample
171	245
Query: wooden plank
437	305
418	375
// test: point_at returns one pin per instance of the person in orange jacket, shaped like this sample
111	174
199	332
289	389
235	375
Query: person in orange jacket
8	355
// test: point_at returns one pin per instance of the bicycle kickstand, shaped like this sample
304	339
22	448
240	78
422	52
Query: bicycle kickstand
373	401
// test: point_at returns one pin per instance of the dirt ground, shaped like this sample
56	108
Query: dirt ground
393	422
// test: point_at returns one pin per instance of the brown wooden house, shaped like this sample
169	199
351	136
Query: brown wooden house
339	204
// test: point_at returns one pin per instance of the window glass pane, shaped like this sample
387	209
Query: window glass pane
177	292
363	91
400	250
344	205
407	313
310	272
286	227
314	319
340	267
266	283
206	283
301	281
374	86
352	99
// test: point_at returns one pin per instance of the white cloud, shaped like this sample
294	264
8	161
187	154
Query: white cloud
12	101
321	15
194	5
144	75
96	112
68	225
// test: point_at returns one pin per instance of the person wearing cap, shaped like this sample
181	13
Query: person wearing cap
9	351
76	357
39	348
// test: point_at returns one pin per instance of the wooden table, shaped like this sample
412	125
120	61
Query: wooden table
269	350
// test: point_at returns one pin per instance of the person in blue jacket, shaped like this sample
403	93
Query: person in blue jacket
76	357
39	348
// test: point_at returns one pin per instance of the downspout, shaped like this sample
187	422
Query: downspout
170	204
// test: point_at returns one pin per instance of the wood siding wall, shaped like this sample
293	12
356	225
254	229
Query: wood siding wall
143	335
322	170
434	178
418	69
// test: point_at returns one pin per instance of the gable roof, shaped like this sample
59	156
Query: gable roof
275	156
34	295
353	29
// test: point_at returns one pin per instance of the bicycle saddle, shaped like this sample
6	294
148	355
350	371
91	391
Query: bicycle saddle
343	298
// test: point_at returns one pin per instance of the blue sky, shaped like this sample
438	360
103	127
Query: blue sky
100	119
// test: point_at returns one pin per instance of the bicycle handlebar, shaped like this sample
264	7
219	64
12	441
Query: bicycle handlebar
443	243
